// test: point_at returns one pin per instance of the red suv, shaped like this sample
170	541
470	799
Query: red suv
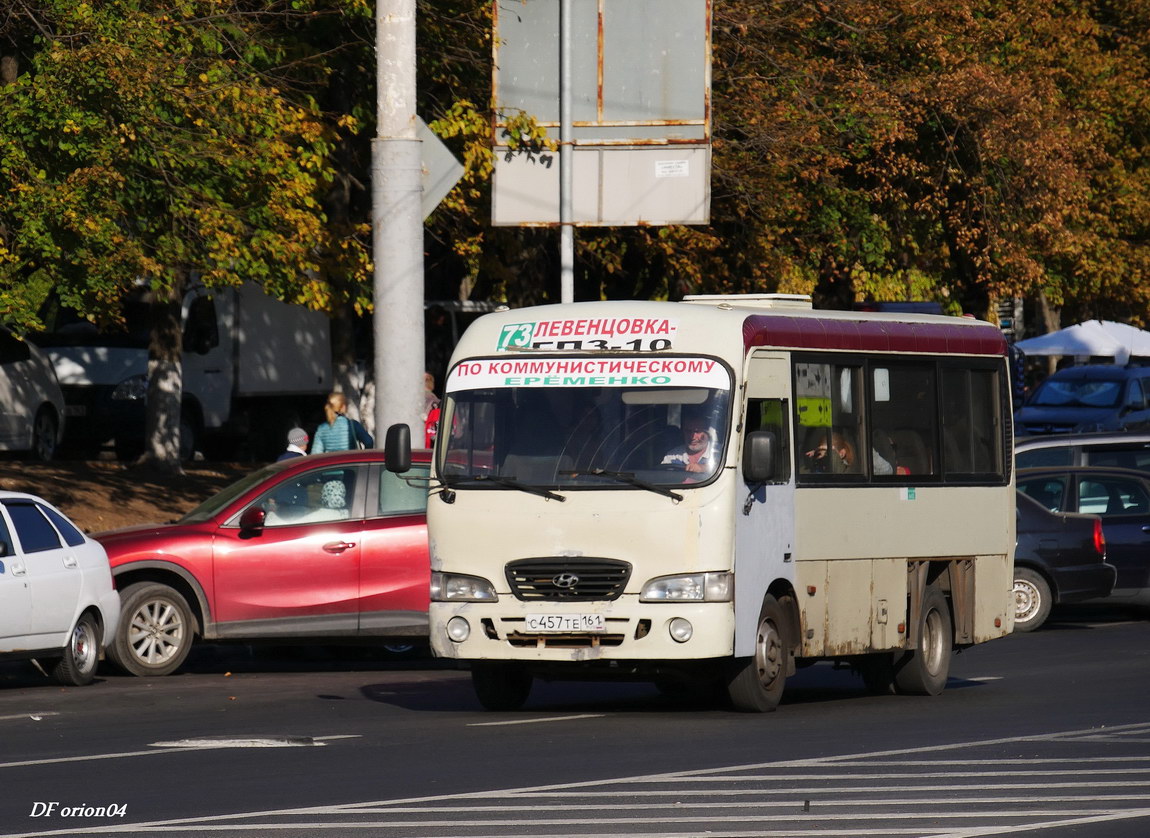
326	546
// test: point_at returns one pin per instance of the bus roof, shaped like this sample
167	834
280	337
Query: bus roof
725	326
942	335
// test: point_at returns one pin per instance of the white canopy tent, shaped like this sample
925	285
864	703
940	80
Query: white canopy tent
1093	338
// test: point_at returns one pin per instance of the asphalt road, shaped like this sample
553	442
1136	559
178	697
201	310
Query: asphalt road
1045	733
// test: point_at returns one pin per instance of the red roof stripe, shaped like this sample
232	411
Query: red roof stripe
866	335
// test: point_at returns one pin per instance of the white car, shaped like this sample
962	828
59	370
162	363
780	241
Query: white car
57	601
31	404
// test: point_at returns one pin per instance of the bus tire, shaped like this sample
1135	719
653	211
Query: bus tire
924	670
501	686
756	685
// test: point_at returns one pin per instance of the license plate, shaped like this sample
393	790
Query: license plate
566	622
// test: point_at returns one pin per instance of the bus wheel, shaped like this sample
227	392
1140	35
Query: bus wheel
501	686
757	684
924	670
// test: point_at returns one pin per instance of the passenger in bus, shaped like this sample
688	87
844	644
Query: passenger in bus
823	452
840	456
696	454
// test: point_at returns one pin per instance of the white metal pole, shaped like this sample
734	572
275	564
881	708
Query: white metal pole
397	225
566	155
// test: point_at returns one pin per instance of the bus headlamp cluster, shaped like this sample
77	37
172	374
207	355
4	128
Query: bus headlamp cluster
689	587
457	587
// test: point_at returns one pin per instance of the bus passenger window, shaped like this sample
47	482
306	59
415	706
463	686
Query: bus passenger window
971	425
827	418
902	413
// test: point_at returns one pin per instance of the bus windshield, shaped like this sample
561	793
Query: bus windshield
590	435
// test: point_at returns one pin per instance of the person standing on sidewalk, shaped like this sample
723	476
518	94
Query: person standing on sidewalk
339	432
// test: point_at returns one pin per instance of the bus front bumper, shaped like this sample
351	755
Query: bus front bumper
623	630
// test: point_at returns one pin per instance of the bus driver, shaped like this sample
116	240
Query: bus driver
695	454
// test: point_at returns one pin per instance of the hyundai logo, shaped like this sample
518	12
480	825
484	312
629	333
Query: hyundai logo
565	580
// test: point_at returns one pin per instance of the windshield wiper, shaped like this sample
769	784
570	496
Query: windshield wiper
630	479
509	482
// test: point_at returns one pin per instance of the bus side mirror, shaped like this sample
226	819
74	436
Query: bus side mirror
759	457
397	448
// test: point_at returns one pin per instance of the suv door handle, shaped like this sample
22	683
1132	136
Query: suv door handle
338	546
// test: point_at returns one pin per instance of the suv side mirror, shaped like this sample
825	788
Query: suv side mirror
253	519
760	456
397	448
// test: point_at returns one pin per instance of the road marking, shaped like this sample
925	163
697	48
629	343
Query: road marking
982	679
820	796
158	748
33	716
244	742
537	721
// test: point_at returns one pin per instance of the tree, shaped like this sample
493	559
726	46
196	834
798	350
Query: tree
157	142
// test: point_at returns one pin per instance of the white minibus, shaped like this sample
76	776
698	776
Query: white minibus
709	494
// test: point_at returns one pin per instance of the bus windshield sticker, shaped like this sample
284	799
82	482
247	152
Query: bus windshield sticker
589	372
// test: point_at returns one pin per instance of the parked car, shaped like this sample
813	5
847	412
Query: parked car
1121	498
330	546
1120	450
1058	558
1093	397
57	601
31	404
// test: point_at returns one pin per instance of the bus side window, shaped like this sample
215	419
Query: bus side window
902	412
970	423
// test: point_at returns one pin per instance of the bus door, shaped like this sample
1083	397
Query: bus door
764	514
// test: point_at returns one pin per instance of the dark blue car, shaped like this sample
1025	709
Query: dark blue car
1121	499
1094	397
1059	558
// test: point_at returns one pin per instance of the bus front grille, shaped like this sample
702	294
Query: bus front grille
563	641
567	580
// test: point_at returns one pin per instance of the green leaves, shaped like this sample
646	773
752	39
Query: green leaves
141	139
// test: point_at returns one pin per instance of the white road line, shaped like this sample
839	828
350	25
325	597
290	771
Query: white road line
621	787
818	805
658	820
34	716
538	721
165	749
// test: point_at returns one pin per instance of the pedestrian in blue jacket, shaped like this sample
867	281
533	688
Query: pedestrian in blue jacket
339	432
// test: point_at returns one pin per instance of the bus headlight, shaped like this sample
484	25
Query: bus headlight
455	587
691	587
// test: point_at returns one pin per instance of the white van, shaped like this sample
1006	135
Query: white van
57	601
31	404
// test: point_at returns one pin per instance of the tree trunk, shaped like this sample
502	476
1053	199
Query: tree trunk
165	378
